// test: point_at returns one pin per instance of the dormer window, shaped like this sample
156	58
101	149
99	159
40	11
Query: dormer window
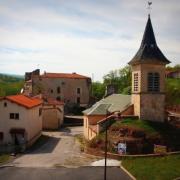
153	82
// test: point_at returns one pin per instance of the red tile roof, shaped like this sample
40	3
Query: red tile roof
64	75
24	100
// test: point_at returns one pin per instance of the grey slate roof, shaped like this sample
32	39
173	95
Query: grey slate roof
112	103
149	52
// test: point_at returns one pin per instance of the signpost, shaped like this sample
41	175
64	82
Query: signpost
121	148
159	149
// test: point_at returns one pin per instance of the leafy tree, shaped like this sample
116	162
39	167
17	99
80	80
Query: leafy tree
172	91
173	68
98	90
120	78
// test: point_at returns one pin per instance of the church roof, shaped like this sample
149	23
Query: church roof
149	51
112	103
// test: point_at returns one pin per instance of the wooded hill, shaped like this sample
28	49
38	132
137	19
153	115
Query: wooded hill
10	84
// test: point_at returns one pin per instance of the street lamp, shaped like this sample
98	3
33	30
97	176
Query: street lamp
106	138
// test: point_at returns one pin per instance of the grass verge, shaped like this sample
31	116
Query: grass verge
156	168
81	140
4	158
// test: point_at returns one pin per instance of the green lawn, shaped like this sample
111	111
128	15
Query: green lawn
4	158
154	168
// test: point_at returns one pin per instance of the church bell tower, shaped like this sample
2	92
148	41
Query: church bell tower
148	78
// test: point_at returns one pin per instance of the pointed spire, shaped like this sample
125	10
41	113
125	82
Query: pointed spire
149	52
148	37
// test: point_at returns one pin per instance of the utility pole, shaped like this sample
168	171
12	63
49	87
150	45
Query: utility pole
105	151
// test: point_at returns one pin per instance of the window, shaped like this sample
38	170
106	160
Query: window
135	81
14	115
78	100
153	82
58	90
51	90
78	90
11	116
40	111
1	136
5	104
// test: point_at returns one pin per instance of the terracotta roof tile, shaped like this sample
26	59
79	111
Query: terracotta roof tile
24	100
64	75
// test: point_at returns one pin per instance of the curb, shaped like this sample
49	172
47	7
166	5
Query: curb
5	166
127	172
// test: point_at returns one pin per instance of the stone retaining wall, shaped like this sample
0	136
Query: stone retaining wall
118	156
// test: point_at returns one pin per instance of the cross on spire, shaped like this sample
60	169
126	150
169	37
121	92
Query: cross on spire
149	7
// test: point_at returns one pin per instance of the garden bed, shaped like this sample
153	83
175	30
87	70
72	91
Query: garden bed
139	137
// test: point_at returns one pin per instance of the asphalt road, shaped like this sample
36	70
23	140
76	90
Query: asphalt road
81	173
61	149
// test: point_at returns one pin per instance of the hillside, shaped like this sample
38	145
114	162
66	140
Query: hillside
172	91
10	84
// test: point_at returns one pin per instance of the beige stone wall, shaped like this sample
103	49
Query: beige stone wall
29	119
91	120
152	107
148	105
48	86
91	134
135	99
53	116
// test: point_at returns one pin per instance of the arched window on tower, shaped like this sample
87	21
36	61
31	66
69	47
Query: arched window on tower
153	82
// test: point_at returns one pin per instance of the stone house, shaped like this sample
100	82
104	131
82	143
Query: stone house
52	114
69	88
20	120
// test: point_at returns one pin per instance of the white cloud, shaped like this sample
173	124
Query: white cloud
82	36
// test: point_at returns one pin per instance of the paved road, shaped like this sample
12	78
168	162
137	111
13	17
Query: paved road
81	173
62	149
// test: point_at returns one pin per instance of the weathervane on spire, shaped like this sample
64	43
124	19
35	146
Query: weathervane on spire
149	7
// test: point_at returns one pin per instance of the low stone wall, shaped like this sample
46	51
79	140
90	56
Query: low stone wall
119	156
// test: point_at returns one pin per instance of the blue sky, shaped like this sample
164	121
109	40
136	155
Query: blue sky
83	36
